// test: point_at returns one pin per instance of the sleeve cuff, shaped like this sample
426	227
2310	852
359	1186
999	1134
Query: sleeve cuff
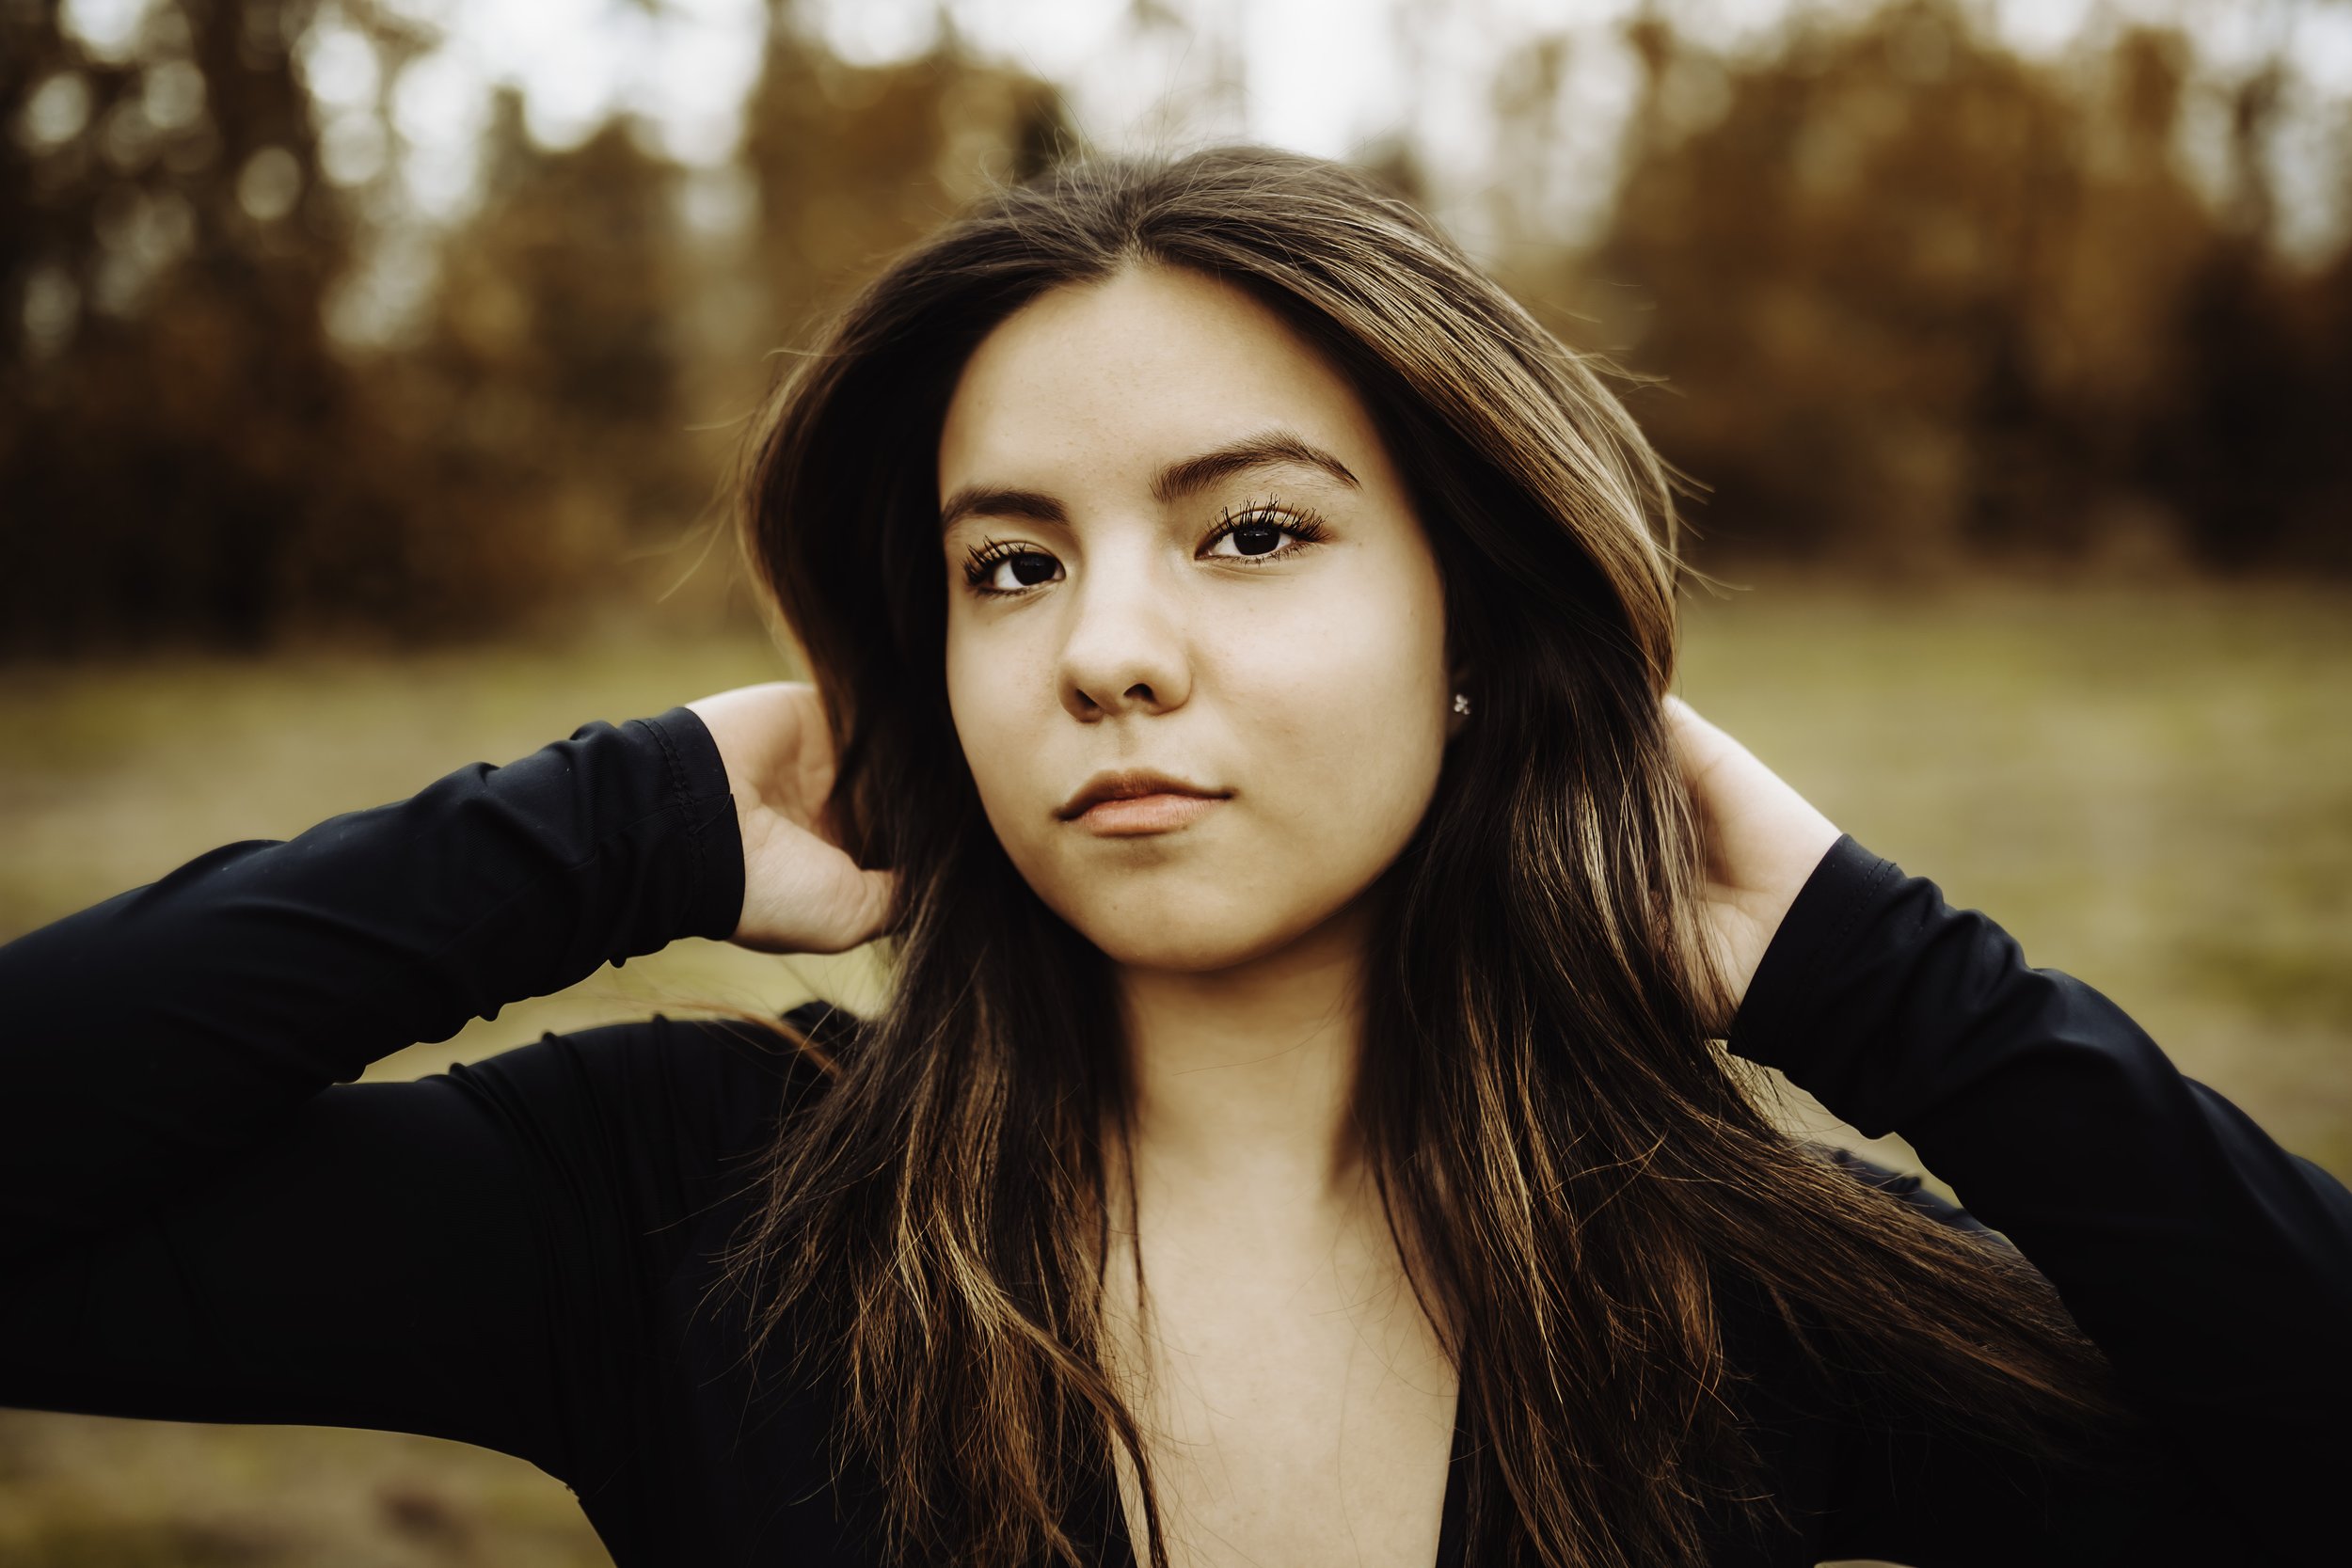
705	806
1777	1021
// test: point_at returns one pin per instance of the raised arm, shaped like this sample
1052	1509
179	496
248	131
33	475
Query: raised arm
151	1036
2212	1266
198	1217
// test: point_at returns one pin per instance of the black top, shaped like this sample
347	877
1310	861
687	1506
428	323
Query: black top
202	1218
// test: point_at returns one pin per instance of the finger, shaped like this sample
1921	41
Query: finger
1700	747
883	889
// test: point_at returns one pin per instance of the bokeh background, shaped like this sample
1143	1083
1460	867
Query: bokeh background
370	372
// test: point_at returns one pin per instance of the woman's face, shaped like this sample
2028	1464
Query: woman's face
1174	543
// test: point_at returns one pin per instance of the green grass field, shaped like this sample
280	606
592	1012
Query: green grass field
2151	789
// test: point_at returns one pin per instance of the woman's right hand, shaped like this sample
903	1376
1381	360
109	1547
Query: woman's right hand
801	893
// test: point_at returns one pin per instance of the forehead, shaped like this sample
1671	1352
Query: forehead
1108	380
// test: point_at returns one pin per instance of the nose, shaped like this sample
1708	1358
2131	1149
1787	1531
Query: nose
1123	650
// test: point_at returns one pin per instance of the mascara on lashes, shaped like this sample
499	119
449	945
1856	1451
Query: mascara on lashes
1302	526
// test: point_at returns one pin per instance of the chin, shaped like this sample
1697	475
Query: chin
1178	936
1176	952
1156	928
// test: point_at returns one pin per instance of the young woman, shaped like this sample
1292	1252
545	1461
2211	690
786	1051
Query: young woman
1308	1125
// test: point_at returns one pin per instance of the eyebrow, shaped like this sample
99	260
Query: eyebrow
1186	477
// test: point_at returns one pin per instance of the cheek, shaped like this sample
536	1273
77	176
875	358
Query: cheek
995	726
1334	707
1353	735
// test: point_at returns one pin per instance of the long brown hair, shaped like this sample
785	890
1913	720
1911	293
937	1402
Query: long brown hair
1586	1177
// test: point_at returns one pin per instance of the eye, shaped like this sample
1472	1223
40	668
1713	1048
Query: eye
1030	567
1257	533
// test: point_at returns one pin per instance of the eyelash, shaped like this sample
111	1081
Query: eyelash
1305	527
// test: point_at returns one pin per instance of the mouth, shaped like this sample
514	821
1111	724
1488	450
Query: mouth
1145	814
1138	802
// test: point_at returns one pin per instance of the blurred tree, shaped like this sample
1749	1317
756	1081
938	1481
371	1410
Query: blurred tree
2253	439
172	417
185	453
539	395
1919	300
853	163
1915	300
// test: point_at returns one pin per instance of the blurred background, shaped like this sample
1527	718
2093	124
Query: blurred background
370	372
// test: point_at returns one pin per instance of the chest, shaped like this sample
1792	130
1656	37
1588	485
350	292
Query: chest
1300	1416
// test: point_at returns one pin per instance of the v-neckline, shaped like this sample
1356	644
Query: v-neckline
1119	1548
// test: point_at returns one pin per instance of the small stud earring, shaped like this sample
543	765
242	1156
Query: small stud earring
1461	705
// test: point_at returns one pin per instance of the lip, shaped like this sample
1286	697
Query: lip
1138	800
1144	813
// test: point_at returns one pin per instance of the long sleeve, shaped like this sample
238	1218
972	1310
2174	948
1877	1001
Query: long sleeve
169	1025
200	1217
2211	1266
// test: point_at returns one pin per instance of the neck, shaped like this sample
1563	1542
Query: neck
1245	1078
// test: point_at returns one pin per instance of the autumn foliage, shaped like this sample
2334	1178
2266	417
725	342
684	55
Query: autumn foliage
1898	299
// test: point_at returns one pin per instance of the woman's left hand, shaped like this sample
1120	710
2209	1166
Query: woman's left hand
1762	842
